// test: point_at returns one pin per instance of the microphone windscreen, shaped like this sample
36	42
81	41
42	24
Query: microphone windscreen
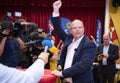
46	42
53	50
48	38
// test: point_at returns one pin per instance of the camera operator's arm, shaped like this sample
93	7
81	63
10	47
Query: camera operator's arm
5	32
21	43
24	23
32	26
2	44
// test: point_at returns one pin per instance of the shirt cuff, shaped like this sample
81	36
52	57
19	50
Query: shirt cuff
54	14
41	59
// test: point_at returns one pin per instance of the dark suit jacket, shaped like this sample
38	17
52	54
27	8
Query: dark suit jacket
80	71
113	55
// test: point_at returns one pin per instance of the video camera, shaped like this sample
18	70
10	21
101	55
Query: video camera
35	39
15	28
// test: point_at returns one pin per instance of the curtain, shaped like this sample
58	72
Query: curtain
39	11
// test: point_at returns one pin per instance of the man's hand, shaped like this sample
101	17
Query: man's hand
106	56
100	57
57	73
56	5
44	57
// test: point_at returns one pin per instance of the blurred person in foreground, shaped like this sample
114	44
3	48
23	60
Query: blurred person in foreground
9	47
32	75
107	54
78	52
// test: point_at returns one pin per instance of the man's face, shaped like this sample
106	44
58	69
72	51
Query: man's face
106	40
77	29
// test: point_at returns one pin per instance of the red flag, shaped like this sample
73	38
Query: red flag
113	34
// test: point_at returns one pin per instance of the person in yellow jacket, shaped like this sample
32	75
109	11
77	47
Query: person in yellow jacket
54	58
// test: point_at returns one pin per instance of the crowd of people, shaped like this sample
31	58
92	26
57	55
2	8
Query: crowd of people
71	60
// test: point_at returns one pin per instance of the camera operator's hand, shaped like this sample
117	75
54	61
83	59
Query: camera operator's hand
6	32
44	57
24	23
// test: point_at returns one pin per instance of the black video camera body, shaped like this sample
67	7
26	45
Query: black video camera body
15	28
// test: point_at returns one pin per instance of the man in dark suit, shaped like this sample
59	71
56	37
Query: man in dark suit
78	52
107	53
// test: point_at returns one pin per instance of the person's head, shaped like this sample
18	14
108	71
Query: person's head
50	25
6	28
106	39
7	25
77	28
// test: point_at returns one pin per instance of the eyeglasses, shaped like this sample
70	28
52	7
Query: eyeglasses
77	27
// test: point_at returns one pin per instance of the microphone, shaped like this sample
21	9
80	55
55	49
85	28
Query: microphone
31	42
75	49
47	44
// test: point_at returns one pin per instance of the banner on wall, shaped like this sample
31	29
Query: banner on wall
112	31
98	32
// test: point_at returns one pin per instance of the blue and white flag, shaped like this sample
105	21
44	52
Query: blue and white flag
65	22
98	32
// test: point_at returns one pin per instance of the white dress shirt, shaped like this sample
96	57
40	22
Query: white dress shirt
70	54
32	75
105	51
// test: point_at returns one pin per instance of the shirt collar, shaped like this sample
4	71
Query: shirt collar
79	40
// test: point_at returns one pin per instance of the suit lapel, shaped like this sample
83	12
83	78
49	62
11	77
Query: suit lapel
67	43
64	51
102	49
109	50
80	46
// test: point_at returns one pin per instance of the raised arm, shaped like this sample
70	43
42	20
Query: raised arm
56	6
56	20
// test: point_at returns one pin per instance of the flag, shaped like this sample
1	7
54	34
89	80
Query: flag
112	32
98	32
65	23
